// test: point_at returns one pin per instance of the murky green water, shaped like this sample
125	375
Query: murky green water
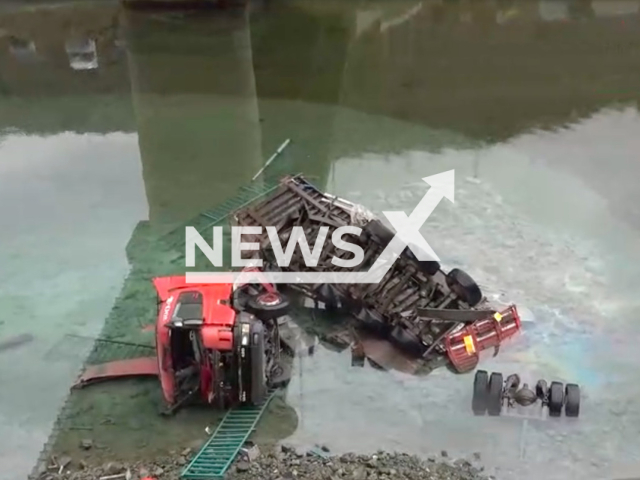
534	104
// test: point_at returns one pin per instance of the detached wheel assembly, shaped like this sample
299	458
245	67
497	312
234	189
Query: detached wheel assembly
491	394
269	305
480	393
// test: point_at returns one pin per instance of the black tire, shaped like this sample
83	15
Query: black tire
330	296
251	385
267	306
572	400
556	399
258	364
407	341
429	267
464	286
480	393
372	321
494	394
380	232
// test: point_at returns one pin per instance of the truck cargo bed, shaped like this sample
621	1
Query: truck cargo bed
394	307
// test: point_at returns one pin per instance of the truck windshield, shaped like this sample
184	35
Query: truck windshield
189	306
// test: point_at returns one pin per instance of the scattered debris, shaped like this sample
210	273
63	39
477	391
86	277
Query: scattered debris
287	449
281	148
282	463
113	468
117	476
358	354
318	451
63	462
86	444
250	451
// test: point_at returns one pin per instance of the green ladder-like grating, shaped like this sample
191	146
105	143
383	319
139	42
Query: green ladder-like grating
216	456
246	194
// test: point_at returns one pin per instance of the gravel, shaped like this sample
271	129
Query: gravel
286	463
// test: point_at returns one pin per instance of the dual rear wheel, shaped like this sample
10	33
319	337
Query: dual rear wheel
567	398
487	393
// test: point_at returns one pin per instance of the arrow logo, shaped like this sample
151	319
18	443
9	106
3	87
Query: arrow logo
408	228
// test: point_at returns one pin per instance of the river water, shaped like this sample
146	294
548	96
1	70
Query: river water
533	104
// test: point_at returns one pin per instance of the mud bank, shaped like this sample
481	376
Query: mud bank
283	462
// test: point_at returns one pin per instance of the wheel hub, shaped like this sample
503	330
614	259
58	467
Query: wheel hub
269	299
525	396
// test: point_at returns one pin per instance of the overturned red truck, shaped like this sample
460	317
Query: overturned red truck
216	344
225	344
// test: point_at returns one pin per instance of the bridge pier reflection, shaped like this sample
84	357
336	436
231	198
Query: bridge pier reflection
194	96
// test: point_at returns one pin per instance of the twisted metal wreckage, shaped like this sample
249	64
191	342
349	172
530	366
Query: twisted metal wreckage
230	344
428	314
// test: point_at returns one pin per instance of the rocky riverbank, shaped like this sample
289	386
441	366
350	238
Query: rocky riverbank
284	463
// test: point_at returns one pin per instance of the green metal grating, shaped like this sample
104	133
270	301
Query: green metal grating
216	456
246	194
